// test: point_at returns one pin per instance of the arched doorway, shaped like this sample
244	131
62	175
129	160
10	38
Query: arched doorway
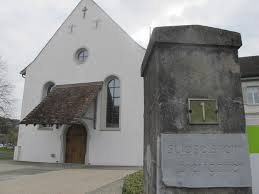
76	144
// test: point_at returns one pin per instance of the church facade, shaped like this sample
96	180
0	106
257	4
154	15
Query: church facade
83	95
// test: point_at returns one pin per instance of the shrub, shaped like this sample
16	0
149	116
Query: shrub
134	183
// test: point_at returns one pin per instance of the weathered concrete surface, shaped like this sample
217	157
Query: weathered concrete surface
189	62
191	35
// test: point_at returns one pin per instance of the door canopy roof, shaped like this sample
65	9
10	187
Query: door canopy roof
66	104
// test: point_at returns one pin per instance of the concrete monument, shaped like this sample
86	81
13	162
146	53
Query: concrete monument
194	117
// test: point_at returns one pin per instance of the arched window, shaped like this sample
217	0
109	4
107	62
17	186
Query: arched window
113	103
47	89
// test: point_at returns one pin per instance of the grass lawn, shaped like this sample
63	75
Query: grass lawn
6	150
6	158
6	154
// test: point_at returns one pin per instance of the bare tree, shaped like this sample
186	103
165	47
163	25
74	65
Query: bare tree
5	91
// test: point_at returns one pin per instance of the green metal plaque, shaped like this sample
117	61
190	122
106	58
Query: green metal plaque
203	111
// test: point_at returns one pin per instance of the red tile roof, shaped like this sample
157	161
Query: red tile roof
66	104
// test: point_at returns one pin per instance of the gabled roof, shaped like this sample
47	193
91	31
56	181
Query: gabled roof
249	66
66	104
23	71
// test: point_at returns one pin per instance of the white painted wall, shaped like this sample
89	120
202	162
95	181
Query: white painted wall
251	111
255	172
111	52
252	118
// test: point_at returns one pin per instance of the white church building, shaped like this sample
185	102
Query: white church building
83	95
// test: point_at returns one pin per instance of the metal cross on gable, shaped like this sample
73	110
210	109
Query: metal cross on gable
97	22
84	11
71	27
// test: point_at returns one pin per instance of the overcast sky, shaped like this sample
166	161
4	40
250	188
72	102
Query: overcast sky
27	25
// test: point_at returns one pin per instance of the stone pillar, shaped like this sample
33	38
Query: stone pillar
194	140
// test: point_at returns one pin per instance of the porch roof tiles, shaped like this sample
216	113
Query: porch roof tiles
66	104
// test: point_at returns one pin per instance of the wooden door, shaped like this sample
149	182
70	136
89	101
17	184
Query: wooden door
76	144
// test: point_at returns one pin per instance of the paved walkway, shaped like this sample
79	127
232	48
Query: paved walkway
112	188
29	178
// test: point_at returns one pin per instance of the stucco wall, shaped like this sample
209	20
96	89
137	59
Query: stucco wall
251	111
252	119
111	52
255	172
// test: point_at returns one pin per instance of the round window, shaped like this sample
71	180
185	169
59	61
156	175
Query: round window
81	55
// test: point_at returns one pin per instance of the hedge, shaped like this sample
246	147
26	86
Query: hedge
134	183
